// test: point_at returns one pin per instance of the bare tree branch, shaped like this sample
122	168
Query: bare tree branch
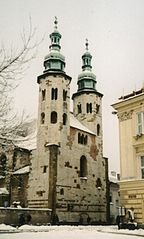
13	64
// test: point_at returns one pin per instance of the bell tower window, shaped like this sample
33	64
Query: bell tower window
42	118
64	119
79	108
53	117
43	94
54	93
98	129
64	95
89	107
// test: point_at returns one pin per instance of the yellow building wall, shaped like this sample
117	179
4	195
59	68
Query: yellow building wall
132	195
131	148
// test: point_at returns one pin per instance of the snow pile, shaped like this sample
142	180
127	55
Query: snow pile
6	228
90	231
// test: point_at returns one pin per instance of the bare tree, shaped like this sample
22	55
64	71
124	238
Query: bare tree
13	63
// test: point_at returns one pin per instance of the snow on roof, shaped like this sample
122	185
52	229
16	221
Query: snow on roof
23	170
3	191
28	142
76	124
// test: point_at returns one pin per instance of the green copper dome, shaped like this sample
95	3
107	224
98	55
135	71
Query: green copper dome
86	79
54	60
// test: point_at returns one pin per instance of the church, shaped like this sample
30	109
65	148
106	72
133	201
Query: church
69	173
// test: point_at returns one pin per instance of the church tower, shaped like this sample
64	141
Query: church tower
87	100
53	124
54	91
87	104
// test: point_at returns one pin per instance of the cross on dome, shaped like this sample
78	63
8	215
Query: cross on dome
56	22
86	44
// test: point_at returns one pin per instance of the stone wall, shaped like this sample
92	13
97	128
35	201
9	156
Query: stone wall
11	216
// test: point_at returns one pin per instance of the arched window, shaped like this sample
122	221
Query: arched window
82	139
98	183
83	166
54	94
64	119
79	138
53	117
85	139
42	118
64	95
79	108
98	129
43	94
89	107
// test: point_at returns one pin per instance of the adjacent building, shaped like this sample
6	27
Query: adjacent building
130	112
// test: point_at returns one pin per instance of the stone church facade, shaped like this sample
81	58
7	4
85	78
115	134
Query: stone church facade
69	173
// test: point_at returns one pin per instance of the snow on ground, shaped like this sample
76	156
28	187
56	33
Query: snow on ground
71	232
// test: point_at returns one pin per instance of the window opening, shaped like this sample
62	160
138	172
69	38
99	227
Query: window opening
79	138
98	129
83	166
142	166
89	107
53	117
54	94
140	122
44	169
42	118
64	119
64	95
61	191
43	94
79	108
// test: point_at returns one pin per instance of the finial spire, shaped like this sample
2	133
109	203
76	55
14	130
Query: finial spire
56	22
86	44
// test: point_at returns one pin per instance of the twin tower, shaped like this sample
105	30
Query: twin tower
69	172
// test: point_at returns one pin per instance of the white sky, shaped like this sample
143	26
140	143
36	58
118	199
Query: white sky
115	29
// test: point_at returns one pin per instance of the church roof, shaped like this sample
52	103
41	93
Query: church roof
30	142
78	125
23	170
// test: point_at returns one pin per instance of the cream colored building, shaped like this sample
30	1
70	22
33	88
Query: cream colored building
130	112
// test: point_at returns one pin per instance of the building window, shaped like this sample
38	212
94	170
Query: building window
82	139
110	198
83	166
54	94
3	160
89	107
53	117
61	191
97	108
79	138
142	166
79	108
40	193
98	183
140	123
43	94
64	95
98	129
64	119
42	118
85	139
44	169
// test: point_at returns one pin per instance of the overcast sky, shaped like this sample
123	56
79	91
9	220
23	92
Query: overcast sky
115	30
